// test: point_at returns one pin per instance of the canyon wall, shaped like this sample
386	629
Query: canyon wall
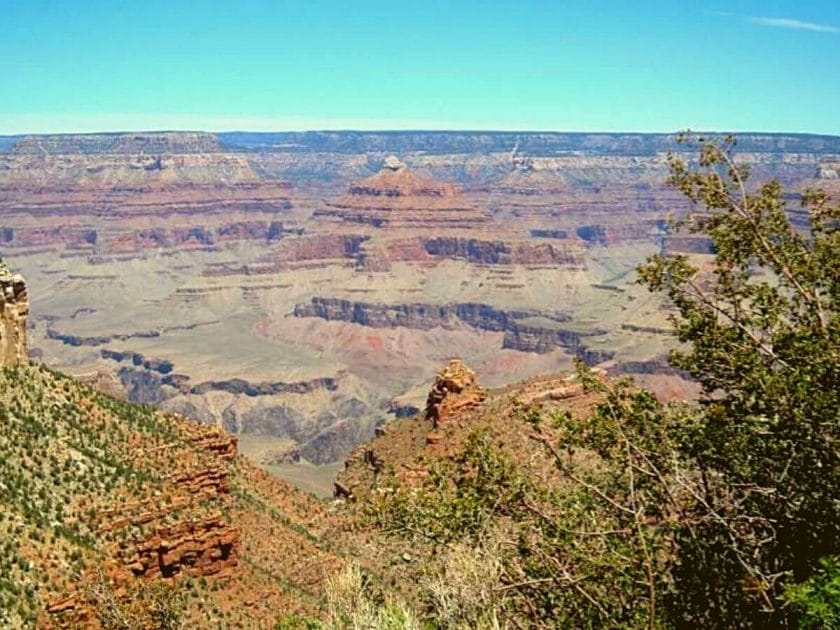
301	287
525	331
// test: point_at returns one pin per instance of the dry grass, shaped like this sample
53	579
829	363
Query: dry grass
351	604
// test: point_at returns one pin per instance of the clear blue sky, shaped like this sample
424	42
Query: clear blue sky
603	65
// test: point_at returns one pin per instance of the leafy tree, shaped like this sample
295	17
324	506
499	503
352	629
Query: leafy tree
761	333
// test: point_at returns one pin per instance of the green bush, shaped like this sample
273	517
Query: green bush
817	600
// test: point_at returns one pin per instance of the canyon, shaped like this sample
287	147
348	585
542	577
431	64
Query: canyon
302	289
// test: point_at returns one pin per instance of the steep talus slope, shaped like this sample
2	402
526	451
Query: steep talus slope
94	488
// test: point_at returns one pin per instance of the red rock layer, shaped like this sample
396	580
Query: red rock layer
398	197
197	548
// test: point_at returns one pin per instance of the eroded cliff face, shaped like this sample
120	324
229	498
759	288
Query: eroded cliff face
14	309
506	253
524	330
422	316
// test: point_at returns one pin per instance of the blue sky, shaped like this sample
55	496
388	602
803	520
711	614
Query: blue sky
601	65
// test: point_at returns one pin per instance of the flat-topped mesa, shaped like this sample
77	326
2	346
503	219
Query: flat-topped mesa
70	165
455	391
14	309
156	142
398	197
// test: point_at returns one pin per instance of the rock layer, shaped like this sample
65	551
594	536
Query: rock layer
506	253
524	330
198	548
419	315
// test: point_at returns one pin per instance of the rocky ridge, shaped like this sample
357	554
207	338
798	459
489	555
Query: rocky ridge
457	407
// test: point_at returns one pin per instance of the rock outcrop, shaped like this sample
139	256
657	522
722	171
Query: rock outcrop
688	244
199	548
544	336
524	330
14	309
455	391
637	231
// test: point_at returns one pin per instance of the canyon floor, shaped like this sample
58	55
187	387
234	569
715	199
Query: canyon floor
302	289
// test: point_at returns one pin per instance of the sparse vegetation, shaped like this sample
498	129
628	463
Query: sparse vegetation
84	478
353	604
156	606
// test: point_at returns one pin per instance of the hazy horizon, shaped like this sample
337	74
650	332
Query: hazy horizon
409	130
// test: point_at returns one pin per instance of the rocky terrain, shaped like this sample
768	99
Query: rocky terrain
100	497
300	289
457	406
113	510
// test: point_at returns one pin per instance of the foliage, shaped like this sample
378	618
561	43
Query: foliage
602	542
352	605
464	592
818	599
155	606
761	329
577	554
453	506
292	621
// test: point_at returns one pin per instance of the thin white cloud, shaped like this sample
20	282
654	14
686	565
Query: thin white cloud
790	23
795	24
